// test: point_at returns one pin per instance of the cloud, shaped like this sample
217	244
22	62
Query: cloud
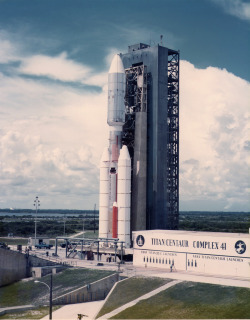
52	133
59	67
237	8
53	155
7	49
214	128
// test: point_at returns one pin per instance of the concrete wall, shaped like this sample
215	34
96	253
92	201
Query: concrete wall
13	266
95	291
39	262
39	272
18	309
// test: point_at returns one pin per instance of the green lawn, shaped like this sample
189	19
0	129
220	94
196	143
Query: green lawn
14	241
130	289
90	234
190	300
28	292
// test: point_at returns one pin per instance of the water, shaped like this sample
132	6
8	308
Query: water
46	214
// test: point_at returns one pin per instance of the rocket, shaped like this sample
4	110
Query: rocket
115	164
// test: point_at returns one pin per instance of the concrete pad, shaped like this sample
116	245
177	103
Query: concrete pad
244	283
70	312
185	276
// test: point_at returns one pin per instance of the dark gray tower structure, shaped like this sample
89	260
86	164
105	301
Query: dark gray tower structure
151	132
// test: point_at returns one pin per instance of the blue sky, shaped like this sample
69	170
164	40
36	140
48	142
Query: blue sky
205	32
54	58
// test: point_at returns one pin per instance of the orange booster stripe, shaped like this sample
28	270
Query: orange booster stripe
115	222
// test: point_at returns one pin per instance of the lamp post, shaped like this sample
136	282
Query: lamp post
36	205
50	295
64	225
94	218
82	226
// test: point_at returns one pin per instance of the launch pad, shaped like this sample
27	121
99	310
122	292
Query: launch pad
185	252
101	249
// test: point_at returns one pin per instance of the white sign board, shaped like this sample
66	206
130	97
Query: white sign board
199	252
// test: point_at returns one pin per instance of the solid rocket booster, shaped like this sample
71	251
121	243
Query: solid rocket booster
104	195
123	197
109	204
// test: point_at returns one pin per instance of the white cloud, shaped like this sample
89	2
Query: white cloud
60	68
98	79
52	135
7	49
237	8
214	127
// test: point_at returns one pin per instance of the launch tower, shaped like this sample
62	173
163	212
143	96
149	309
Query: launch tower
139	171
151	133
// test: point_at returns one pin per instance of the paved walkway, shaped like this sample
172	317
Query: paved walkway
91	309
70	312
145	296
76	235
223	281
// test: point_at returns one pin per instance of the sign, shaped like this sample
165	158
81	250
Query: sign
202	252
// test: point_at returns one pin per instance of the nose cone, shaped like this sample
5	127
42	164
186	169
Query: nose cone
124	154
116	65
105	155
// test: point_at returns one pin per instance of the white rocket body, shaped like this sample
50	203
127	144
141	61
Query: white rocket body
104	195
123	196
109	174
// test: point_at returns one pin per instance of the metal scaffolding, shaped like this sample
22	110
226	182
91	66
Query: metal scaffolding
154	88
173	139
135	101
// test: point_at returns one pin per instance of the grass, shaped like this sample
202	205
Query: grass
129	290
189	300
29	314
90	234
14	241
27	292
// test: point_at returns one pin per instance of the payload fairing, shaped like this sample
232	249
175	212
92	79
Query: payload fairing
115	166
